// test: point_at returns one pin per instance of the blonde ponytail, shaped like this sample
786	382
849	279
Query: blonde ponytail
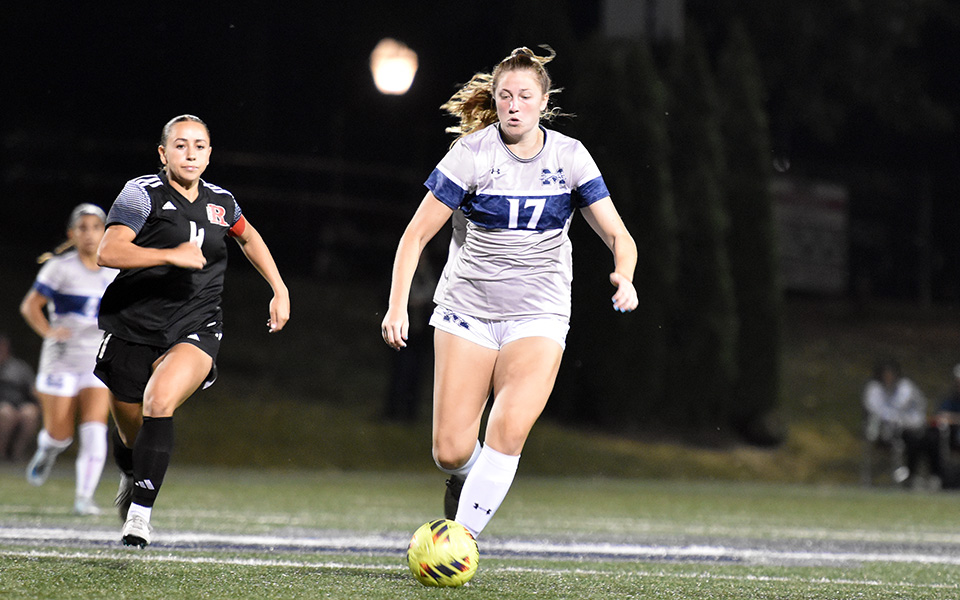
55	252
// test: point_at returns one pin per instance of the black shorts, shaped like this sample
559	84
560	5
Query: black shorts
126	367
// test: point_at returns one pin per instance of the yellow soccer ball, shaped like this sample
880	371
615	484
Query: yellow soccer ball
443	553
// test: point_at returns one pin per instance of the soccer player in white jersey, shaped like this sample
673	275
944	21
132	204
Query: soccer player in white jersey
503	300
69	286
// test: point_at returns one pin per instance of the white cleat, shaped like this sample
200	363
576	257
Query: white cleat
136	531
86	507
40	466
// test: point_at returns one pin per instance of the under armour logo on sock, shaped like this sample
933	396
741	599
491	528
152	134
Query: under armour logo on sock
478	507
147	484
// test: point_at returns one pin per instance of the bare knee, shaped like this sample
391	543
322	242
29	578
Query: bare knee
452	454
160	400
8	414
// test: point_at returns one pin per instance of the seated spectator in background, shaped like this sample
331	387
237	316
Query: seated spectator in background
947	422
948	414
19	411
896	414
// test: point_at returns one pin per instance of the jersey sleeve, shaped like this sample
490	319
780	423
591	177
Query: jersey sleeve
131	208
454	177
237	213
48	280
588	182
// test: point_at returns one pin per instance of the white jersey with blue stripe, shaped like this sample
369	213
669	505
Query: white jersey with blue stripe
510	256
74	292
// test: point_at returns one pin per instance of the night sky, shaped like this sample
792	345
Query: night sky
285	89
87	91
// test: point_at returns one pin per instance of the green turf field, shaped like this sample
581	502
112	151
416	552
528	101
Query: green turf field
224	533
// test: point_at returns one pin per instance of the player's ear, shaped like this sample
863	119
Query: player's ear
163	155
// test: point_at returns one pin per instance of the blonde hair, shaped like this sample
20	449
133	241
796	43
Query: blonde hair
55	252
474	103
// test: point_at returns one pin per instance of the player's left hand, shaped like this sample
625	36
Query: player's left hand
625	300
279	313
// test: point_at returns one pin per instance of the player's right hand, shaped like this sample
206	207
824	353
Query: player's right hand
187	255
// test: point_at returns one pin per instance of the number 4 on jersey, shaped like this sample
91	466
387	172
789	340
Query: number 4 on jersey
196	234
536	203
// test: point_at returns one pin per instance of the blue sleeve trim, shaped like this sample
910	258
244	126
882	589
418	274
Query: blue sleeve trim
44	289
445	190
591	191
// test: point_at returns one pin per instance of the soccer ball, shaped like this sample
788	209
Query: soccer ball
443	553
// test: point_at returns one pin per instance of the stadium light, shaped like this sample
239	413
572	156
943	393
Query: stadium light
393	66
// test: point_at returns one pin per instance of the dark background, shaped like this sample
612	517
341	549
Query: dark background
295	118
862	94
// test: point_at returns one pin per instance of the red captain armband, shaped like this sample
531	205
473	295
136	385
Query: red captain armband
238	227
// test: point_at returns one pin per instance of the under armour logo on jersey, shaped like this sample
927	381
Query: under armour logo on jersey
145	484
548	177
169	206
495	171
480	508
216	214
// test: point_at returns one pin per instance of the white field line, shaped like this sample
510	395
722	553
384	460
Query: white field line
626	527
396	544
640	573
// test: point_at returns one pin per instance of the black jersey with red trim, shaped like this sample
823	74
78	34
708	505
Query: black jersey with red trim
159	305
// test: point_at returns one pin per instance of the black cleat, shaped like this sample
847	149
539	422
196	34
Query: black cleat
124	495
451	497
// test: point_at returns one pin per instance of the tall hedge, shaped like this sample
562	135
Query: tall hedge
752	239
615	366
704	336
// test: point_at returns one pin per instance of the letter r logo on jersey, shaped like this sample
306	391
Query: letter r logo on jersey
216	214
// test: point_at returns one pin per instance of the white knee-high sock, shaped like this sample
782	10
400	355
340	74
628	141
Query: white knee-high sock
462	471
46	443
485	488
90	457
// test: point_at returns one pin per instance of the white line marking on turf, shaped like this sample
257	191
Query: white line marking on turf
640	573
394	544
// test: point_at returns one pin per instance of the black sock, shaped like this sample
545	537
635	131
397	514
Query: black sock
122	455
151	456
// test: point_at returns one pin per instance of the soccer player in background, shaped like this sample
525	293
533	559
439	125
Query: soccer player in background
511	187
161	316
70	285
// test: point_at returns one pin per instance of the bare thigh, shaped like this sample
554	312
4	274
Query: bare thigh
59	415
463	379
176	375
93	404
523	379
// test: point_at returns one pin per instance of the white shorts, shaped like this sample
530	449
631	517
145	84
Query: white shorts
66	385
495	334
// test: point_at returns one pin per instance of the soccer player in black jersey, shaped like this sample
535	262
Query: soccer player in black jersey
161	315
